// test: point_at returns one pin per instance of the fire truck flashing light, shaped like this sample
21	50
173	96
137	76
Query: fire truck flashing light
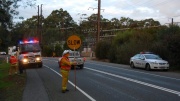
30	41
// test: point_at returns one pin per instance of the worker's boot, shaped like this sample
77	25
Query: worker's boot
63	91
67	90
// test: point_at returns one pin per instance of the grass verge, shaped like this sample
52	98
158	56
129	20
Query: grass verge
11	87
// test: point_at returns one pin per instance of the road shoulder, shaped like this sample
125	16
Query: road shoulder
34	91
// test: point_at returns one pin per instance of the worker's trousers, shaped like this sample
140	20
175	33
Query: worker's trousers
65	74
13	69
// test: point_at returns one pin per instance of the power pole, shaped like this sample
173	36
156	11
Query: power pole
38	22
98	21
172	22
41	25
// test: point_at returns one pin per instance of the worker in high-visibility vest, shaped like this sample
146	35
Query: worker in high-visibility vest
65	66
13	64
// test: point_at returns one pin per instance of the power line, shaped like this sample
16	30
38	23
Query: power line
177	16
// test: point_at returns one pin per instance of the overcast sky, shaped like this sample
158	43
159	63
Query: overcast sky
161	10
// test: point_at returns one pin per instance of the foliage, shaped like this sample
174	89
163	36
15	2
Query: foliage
102	49
4	39
122	37
47	51
8	10
58	50
11	87
171	40
163	41
112	53
133	36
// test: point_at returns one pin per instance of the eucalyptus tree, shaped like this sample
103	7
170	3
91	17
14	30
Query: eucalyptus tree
8	10
150	22
105	24
125	22
90	25
115	23
59	25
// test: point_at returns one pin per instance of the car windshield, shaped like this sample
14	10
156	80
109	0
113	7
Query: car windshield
30	47
152	56
74	54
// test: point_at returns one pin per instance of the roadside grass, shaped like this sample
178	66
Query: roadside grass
175	69
11	86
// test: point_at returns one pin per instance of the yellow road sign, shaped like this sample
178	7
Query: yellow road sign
74	42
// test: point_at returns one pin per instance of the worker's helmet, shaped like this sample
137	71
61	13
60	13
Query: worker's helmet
65	52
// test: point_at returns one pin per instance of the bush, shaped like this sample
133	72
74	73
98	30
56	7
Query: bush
112	53
102	49
163	41
58	50
47	51
171	39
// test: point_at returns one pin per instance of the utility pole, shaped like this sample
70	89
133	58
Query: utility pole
41	25
38	22
172	22
98	21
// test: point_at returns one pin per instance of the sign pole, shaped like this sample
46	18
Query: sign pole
74	70
74	42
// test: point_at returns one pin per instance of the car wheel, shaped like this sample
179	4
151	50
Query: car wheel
166	70
40	65
72	67
20	69
148	68
81	66
132	65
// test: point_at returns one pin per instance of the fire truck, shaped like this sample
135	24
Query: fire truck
29	53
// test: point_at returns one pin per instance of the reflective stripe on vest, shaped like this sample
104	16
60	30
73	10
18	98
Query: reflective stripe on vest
64	66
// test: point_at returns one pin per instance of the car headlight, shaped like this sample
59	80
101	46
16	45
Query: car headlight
25	60
38	58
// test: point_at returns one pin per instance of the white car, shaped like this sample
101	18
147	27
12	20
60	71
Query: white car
76	58
3	53
148	61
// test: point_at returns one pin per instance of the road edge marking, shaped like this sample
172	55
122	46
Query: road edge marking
136	71
137	81
83	92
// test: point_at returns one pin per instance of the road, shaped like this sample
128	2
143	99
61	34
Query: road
100	81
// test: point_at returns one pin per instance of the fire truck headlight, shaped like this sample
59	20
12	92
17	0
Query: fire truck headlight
25	60
38	58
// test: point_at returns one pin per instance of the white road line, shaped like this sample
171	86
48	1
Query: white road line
137	71
92	99
136	81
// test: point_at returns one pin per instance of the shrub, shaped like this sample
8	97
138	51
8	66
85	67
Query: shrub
102	49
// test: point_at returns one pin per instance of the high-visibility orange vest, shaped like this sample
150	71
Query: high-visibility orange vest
63	65
13	60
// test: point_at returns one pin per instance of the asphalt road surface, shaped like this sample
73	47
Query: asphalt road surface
100	81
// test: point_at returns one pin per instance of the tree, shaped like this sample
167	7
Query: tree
115	23
102	49
150	22
125	21
8	10
61	23
59	19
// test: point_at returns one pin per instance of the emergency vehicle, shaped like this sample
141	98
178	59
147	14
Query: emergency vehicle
29	53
